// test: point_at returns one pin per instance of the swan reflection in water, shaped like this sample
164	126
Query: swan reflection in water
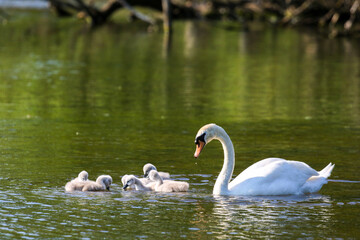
273	216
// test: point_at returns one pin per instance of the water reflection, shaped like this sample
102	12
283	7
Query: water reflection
273	216
263	75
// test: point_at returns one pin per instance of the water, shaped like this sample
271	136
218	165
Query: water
33	4
110	100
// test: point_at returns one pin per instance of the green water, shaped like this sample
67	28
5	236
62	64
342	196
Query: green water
110	100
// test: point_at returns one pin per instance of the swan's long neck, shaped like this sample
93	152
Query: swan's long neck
221	185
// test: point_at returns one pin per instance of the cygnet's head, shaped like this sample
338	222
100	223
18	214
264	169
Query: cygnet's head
106	180
154	176
124	179
205	135
129	180
147	168
83	176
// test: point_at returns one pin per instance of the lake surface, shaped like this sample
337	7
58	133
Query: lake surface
110	100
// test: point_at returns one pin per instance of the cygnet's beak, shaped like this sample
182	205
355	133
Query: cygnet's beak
199	147
126	185
108	188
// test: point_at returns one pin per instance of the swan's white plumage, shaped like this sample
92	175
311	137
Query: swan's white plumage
271	176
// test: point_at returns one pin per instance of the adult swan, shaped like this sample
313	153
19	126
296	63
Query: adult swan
271	176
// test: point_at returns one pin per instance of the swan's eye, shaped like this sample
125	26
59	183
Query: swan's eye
200	138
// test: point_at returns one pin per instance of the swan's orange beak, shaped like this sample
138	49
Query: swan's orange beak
199	147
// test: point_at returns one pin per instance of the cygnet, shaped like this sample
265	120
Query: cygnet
167	186
148	167
102	183
130	181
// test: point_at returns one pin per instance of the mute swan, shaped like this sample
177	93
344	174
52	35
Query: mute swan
102	183
148	167
271	176
131	180
167	186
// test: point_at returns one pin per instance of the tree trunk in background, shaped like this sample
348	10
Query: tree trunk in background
166	7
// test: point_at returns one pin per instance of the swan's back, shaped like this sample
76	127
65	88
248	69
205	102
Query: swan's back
276	176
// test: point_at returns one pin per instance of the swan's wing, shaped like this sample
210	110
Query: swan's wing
257	169
272	176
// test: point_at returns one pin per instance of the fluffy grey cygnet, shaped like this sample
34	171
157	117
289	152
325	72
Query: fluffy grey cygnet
144	181
167	186
102	183
148	167
83	176
130	181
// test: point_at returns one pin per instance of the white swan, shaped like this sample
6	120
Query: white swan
102	183
148	167
167	186
130	181
271	176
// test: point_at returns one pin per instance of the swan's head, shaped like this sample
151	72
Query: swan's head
154	176
205	135
147	168
83	176
129	180
106	180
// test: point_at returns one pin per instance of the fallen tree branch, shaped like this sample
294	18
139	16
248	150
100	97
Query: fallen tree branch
137	14
292	12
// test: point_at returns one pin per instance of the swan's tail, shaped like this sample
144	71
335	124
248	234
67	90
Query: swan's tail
326	172
314	183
